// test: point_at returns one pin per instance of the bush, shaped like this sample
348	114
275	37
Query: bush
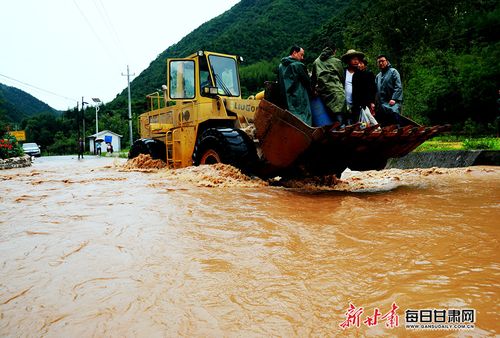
487	143
453	87
62	145
9	147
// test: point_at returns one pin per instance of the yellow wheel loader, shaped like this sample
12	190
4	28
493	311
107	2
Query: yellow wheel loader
200	118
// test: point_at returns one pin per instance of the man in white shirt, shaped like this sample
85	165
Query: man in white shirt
351	58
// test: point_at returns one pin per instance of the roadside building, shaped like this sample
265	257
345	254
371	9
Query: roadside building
105	137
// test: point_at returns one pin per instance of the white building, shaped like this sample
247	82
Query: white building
104	137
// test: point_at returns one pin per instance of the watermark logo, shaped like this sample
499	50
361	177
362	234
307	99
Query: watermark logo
353	315
415	319
440	319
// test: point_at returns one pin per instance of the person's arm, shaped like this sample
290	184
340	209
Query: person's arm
304	78
314	78
372	86
397	95
372	91
357	89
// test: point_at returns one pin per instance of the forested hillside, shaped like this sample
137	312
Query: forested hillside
16	105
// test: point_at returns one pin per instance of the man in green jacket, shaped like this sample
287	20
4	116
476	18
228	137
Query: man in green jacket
294	84
328	79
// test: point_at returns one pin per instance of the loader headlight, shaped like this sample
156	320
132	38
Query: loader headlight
210	91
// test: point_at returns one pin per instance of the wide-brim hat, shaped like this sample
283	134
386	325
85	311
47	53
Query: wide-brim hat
351	53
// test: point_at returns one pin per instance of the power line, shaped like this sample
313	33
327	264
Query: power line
38	88
87	21
105	21
94	31
110	26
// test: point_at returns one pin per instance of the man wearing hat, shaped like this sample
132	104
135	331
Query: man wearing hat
351	58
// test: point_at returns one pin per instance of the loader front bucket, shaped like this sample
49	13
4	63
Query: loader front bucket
283	137
289	143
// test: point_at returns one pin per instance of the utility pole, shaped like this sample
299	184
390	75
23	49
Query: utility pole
96	119
78	119
83	117
128	75
98	102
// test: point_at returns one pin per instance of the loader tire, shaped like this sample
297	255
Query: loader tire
225	145
156	149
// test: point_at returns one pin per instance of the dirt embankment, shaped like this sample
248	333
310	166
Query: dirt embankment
144	162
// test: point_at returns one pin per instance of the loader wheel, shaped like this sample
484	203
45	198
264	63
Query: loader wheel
156	149
225	145
210	157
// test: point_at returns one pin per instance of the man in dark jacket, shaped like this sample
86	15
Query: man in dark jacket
389	92
363	88
295	86
81	146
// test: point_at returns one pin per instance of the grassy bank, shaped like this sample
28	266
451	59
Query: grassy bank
124	153
454	142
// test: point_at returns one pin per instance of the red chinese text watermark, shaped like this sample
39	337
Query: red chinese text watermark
353	317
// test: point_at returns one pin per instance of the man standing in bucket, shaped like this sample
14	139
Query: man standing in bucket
295	86
389	92
328	80
351	59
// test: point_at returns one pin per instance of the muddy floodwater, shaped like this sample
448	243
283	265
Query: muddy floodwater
90	248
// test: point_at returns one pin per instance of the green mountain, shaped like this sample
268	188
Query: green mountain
16	105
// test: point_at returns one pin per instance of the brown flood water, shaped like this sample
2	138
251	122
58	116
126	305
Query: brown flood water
91	249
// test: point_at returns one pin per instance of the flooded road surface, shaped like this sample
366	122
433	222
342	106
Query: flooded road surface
91	249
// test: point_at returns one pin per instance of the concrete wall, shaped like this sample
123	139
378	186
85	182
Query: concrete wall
446	159
15	162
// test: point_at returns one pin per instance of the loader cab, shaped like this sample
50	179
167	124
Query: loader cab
181	79
203	75
224	70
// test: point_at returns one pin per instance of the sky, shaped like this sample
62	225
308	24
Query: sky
61	50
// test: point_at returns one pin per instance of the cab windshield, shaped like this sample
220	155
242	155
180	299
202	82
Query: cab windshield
225	75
